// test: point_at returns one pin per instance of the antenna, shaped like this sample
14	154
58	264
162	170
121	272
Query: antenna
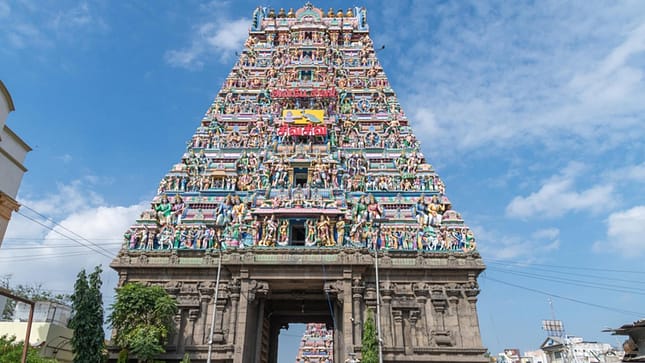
551	307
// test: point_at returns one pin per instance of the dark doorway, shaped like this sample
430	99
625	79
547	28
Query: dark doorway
300	176
287	312
297	233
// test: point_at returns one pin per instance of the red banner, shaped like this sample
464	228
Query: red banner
308	130
295	93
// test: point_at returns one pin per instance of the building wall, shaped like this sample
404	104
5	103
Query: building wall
54	340
13	151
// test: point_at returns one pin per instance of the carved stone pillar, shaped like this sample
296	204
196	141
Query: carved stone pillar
386	315
194	329
234	292
260	330
414	331
203	308
474	338
346	340
397	315
441	335
439	303
453	318
220	330
357	298
421	292
177	337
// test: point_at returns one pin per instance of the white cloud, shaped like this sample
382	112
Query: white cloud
625	231
558	196
78	16
628	173
553	75
213	39
614	77
41	25
526	248
34	254
5	10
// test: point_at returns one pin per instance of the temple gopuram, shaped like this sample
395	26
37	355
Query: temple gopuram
317	345
305	187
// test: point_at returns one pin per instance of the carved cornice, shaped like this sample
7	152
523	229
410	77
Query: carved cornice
470	263
7	205
5	92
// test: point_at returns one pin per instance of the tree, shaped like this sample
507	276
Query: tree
11	352
87	319
143	318
369	349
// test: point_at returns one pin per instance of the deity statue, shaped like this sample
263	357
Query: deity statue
340	231
421	211
270	230
360	209
323	229
164	211
374	210
283	233
310	237
256	230
224	211
178	208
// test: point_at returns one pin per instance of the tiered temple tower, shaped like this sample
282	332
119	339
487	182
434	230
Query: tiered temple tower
316	345
302	172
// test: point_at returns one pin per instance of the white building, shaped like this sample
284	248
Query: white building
12	154
536	356
49	331
576	350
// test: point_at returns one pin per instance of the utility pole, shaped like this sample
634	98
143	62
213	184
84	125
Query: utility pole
219	270
377	224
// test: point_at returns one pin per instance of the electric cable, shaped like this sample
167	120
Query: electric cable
569	267
617	310
99	251
568	273
575	282
67	229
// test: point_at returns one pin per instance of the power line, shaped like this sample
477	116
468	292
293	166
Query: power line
581	283
67	229
642	272
46	257
567	273
37	246
100	251
54	239
617	310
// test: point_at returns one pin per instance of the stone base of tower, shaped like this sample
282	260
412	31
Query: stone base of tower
428	300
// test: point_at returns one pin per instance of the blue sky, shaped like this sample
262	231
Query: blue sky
531	112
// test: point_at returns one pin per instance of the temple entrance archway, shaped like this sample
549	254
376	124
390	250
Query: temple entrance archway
297	308
428	301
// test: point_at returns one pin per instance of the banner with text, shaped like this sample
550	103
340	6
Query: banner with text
302	131
303	117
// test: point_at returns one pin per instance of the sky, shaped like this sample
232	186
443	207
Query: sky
532	112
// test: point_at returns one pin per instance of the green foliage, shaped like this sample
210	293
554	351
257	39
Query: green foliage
87	320
123	356
369	349
11	352
34	292
186	358
143	318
